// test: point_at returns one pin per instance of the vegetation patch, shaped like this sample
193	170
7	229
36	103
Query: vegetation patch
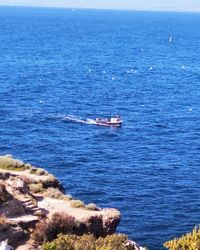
50	181
92	207
189	241
8	163
77	204
36	188
37	171
33	170
55	193
48	230
87	242
40	171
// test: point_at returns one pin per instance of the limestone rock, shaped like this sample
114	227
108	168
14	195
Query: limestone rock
24	208
4	195
14	235
103	223
132	245
4	246
111	219
12	208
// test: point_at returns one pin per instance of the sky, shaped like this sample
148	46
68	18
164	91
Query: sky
164	5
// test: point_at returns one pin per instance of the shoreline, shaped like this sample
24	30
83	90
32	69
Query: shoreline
29	194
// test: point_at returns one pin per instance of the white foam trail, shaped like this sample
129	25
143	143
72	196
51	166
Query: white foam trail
79	120
90	121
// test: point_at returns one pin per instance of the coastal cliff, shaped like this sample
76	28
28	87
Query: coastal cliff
30	197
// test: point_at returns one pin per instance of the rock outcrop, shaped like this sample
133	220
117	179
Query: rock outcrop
29	194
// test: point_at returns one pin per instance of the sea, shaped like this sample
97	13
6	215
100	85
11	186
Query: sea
144	66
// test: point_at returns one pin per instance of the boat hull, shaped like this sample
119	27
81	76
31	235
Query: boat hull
109	124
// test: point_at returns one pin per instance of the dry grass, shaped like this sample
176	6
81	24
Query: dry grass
54	193
77	204
40	171
7	162
92	207
36	188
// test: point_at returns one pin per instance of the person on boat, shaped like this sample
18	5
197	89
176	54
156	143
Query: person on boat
118	118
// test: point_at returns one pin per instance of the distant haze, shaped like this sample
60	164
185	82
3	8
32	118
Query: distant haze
164	5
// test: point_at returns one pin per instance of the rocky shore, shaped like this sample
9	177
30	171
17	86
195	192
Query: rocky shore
29	195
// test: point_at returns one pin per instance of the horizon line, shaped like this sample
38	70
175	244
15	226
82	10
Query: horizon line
101	8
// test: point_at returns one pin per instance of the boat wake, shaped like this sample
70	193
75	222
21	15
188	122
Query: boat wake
109	122
71	118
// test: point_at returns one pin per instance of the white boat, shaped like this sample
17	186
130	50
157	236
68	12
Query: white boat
109	122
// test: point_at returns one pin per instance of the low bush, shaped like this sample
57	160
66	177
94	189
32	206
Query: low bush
50	181
114	241
54	193
28	166
91	206
77	204
33	170
36	188
48	230
87	242
40	171
189	241
63	242
8	163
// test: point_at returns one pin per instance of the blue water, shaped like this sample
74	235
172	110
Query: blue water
142	66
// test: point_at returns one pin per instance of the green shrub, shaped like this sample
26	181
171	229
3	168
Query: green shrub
63	242
33	170
91	206
77	204
55	193
8	163
49	246
50	181
28	166
114	241
87	242
36	188
49	229
40	171
189	241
